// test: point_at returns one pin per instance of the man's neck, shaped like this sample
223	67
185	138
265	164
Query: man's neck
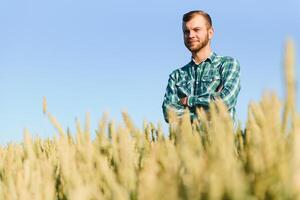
202	55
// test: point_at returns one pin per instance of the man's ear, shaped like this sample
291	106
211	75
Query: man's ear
211	33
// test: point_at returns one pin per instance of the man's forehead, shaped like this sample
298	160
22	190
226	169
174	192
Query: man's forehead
196	21
196	18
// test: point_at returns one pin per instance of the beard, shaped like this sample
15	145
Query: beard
197	45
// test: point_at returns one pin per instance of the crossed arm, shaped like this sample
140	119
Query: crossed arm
228	92
172	101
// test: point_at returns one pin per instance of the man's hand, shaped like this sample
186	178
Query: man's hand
183	101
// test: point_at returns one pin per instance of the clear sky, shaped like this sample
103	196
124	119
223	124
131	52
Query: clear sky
95	56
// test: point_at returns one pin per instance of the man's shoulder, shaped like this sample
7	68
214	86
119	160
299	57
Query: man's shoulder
180	71
226	63
225	59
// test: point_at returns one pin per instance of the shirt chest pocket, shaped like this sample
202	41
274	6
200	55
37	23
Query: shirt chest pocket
184	88
210	83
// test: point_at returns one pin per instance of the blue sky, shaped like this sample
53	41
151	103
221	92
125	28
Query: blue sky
96	56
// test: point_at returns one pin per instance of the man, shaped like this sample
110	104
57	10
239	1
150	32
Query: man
206	77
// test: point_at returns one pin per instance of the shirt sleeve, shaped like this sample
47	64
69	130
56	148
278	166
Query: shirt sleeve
230	75
171	101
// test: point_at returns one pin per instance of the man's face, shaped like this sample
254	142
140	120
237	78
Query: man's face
196	33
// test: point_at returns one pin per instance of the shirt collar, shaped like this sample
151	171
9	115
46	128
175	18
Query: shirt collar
209	59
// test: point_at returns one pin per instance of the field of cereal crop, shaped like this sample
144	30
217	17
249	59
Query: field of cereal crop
207	160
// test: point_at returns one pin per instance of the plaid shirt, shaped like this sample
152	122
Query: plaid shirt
217	76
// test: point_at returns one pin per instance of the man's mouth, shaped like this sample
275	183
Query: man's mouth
191	41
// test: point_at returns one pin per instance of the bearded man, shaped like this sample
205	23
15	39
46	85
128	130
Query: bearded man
206	77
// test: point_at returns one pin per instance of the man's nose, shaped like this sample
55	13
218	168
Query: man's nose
191	34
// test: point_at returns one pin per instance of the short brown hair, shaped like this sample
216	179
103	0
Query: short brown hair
189	15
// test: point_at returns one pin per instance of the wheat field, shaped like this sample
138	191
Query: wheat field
206	160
